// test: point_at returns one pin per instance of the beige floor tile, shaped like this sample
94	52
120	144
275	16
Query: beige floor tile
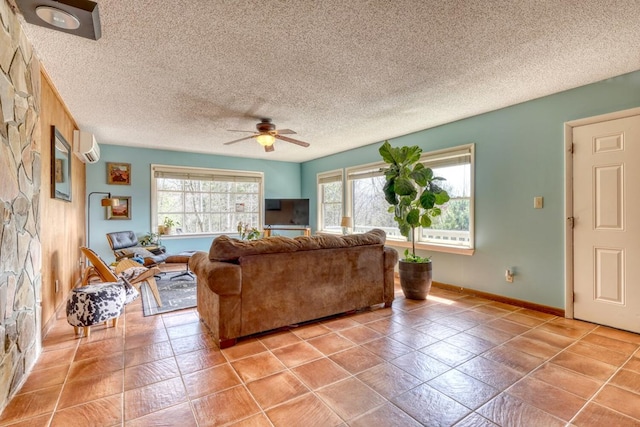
257	366
29	405
297	354
388	380
87	389
224	407
430	407
356	359
276	389
620	400
463	388
490	372
550	399
584	365
146	400
386	415
320	373
506	410
103	412
567	380
149	373
594	415
420	365
212	380
179	415
308	411
350	398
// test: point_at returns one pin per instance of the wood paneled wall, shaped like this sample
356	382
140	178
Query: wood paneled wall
63	223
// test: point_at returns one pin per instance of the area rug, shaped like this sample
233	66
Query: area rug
176	294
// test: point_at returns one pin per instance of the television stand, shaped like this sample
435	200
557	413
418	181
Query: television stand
306	231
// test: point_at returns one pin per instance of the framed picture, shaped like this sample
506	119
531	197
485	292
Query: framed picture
122	211
119	173
60	166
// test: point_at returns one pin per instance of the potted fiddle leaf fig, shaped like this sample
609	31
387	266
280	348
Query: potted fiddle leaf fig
415	195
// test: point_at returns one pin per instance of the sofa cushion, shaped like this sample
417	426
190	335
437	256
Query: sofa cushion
225	248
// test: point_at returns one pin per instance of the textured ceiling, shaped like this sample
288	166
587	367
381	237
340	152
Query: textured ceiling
179	74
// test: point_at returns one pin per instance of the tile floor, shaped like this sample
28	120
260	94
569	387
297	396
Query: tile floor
451	360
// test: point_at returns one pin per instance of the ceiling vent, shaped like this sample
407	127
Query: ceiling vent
85	146
77	17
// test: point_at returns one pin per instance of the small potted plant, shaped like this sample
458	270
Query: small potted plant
414	195
247	232
150	239
168	224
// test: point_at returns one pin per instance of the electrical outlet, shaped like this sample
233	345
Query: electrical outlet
508	275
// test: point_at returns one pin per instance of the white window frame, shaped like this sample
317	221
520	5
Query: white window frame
207	172
430	159
336	175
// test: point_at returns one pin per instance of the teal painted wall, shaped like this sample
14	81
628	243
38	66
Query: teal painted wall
281	179
519	155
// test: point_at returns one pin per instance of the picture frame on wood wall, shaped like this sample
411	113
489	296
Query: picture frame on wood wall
60	166
122	211
118	173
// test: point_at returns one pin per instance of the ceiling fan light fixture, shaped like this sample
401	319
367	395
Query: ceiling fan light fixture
265	139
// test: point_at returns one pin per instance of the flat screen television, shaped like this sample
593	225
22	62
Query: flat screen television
286	212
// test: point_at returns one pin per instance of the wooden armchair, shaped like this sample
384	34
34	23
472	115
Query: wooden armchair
101	270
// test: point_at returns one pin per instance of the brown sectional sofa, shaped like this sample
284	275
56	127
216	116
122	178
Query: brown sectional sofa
246	287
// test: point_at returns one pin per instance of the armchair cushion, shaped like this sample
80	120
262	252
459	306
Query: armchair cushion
122	239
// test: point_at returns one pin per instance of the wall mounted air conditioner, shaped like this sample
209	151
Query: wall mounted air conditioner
85	146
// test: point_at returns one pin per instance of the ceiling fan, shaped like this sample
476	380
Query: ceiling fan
267	135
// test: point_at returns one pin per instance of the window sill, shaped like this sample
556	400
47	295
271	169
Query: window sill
193	236
432	248
330	233
421	246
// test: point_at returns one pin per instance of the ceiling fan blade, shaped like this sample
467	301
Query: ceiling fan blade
285	132
238	140
293	141
269	148
236	130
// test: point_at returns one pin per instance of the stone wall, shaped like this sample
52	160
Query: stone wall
20	169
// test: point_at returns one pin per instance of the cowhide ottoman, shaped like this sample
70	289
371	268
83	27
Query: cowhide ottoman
98	303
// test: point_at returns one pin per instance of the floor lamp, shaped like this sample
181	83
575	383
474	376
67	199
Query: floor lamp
107	201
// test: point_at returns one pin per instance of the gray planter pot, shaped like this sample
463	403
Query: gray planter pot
415	279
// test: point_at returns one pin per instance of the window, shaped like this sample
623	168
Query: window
454	226
330	201
206	201
369	209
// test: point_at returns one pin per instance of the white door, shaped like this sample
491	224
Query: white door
606	234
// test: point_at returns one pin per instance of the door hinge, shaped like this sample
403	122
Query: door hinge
572	148
571	221
573	297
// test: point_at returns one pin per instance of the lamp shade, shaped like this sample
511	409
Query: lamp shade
109	202
346	221
265	139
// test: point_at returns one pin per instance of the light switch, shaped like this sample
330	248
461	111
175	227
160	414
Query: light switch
537	202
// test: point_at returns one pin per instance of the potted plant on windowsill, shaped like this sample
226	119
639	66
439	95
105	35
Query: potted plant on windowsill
168	225
414	195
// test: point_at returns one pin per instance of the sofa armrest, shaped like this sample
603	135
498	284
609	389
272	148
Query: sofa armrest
223	278
390	260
